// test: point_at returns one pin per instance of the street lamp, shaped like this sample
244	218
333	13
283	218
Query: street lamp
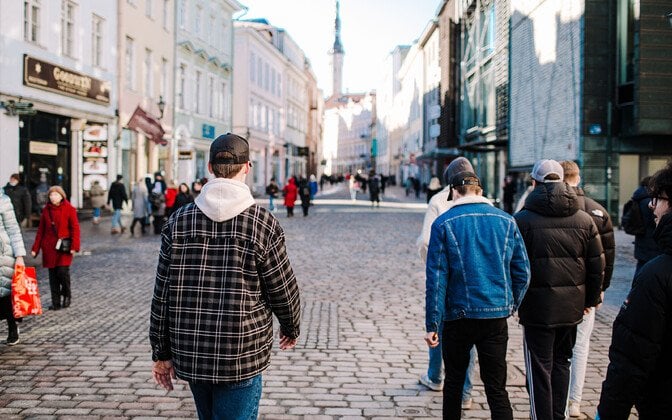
162	106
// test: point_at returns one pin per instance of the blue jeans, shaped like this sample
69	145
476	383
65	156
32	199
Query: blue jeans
436	362
96	212
238	401
116	218
270	200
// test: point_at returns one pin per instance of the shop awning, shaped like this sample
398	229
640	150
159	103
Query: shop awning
148	125
439	153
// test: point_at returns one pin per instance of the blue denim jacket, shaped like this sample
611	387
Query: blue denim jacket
477	265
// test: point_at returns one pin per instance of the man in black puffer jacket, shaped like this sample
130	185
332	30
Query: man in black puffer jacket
640	356
604	226
567	264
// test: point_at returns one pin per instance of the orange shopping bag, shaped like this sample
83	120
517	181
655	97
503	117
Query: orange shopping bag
25	296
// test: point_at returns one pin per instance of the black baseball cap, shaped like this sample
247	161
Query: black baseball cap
237	149
465	178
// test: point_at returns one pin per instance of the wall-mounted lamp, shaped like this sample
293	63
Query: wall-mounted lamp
669	18
162	106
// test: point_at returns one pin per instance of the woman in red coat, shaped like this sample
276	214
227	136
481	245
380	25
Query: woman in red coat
58	222
289	192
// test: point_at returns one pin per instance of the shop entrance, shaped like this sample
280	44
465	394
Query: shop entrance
44	155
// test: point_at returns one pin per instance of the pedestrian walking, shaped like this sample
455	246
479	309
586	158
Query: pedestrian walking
509	190
433	188
196	188
58	239
12	251
290	192
584	330
374	188
304	194
313	187
567	263
157	198
117	196
439	204
139	199
353	187
231	250
97	194
20	198
495	264
183	196
646	248
272	190
640	368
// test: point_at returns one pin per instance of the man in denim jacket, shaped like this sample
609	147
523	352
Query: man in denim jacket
477	275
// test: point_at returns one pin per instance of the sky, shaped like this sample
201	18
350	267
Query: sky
370	30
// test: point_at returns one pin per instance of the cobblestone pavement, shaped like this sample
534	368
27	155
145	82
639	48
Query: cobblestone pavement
361	350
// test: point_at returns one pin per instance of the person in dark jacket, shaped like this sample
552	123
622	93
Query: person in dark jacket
20	197
567	263
183	196
117	196
640	355
304	194
646	247
604	226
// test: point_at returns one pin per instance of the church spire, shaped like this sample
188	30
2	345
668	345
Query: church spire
337	55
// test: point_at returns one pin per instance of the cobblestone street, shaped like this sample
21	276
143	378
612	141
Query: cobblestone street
360	354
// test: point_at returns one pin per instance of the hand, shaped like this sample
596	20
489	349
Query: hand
586	311
33	253
19	261
601	301
163	374
286	343
73	252
432	339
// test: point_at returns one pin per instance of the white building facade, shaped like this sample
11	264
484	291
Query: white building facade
203	81
60	56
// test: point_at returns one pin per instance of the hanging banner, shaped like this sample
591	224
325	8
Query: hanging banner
94	154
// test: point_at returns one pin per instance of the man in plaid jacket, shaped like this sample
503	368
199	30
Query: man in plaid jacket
223	271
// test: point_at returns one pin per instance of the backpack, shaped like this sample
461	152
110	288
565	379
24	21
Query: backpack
632	220
155	199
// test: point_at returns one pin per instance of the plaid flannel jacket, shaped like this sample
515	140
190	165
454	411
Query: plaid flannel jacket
217	286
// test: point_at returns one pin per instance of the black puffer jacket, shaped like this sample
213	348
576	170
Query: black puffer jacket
640	356
646	247
605	228
565	256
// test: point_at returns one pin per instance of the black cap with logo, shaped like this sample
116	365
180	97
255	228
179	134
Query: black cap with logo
231	148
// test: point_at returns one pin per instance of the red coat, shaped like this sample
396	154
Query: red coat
290	191
171	194
67	226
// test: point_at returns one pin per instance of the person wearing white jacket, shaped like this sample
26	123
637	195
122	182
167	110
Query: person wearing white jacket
439	204
12	252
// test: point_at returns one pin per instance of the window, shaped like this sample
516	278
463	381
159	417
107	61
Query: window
182	14
166	6
67	28
197	21
197	93
266	81
181	85
129	57
147	70
225	115
211	97
253	68
148	8
164	78
97	41
260	71
212	32
31	21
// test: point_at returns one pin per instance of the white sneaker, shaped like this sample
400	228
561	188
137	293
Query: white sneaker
424	379
574	409
466	404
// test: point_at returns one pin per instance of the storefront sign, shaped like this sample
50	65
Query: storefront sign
185	155
44	75
94	153
42	148
208	131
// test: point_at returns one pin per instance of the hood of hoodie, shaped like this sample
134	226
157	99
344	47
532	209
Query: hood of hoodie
640	193
223	199
663	233
553	199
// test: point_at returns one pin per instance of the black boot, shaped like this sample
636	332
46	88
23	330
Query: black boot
66	302
13	336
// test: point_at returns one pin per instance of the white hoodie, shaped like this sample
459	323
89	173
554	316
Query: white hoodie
223	199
